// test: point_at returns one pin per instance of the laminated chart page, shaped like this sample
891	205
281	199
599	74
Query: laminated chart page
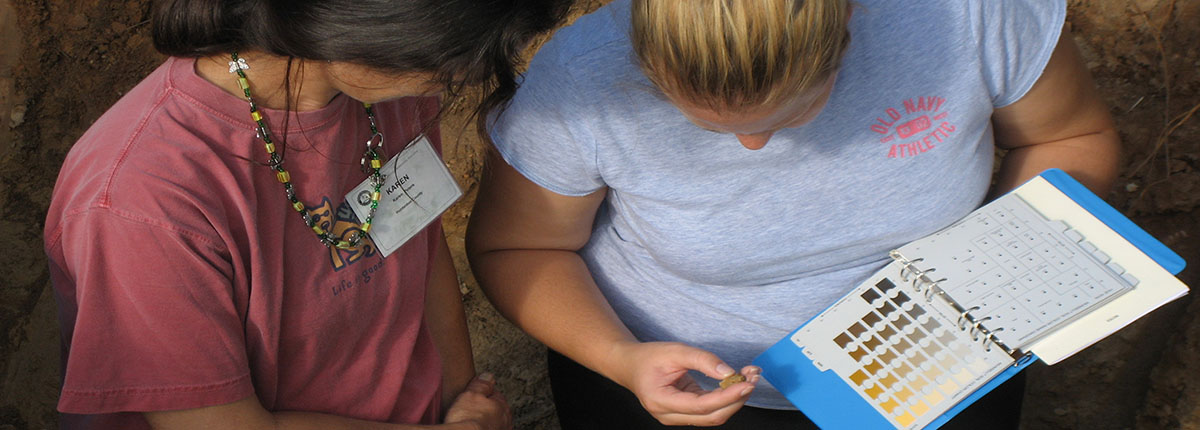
905	356
1018	273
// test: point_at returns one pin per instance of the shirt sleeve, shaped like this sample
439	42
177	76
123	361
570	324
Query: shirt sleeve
544	132
149	317
1016	39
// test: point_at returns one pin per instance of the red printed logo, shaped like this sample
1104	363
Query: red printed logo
910	128
917	127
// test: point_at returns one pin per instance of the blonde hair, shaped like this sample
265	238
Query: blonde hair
731	54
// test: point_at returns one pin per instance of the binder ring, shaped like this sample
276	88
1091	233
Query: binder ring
926	287
920	280
964	318
934	287
917	285
929	294
977	331
907	269
982	334
993	340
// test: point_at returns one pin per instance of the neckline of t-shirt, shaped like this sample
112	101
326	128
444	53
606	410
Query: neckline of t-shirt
183	78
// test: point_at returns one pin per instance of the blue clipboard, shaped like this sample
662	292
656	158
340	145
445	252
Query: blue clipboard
832	404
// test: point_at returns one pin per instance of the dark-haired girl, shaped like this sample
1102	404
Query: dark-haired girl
223	241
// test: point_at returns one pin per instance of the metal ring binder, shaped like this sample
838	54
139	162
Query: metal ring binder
908	269
992	334
924	284
964	318
977	330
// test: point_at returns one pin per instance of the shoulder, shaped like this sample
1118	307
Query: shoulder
141	160
933	18
589	48
591	34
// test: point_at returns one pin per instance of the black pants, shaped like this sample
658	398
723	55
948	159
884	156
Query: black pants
585	400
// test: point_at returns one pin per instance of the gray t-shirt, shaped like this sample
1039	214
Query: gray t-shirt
705	242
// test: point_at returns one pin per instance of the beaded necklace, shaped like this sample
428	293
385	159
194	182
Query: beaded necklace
275	162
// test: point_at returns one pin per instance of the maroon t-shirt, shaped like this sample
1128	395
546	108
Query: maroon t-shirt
185	279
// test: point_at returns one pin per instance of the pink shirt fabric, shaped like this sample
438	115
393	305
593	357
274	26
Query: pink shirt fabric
185	279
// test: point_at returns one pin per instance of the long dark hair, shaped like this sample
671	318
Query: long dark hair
461	42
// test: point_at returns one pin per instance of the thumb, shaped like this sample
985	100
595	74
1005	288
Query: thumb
705	362
483	384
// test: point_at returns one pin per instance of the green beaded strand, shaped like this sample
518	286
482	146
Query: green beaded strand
275	162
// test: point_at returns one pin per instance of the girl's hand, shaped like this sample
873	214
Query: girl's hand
481	405
657	372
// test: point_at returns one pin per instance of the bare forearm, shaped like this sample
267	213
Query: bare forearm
551	295
448	324
522	243
1061	122
248	413
1092	159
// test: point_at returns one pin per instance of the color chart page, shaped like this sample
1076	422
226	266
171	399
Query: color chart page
905	355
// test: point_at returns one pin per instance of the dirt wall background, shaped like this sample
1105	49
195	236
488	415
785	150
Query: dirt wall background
62	63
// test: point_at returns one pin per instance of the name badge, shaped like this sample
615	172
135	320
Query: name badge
417	188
